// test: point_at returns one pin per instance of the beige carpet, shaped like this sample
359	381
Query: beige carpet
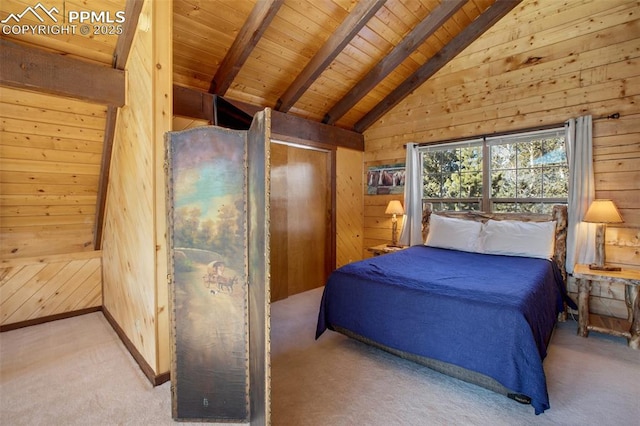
77	372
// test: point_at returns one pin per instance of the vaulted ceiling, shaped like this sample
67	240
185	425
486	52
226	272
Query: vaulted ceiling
339	62
334	61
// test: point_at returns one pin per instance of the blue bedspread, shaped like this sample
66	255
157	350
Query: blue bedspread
486	313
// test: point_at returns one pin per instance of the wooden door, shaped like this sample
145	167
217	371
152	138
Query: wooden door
300	219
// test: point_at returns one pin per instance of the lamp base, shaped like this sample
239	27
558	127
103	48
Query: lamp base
597	267
394	245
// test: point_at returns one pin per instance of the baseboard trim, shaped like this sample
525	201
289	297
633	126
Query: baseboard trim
137	356
42	320
162	378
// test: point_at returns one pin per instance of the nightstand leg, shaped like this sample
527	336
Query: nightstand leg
634	303
584	289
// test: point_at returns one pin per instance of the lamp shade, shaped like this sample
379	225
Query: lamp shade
602	211
394	207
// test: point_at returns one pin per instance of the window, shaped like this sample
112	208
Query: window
452	175
524	172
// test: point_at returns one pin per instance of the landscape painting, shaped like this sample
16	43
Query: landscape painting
208	233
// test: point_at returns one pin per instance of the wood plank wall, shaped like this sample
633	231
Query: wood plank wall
134	249
47	286
349	206
50	152
543	63
162	65
182	123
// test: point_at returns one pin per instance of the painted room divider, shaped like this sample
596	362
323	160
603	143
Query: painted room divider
218	208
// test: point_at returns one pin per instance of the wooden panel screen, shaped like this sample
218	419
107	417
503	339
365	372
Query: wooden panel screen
258	184
218	217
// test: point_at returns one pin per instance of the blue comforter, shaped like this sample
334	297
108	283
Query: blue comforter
486	313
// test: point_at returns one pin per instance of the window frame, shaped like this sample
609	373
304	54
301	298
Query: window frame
444	147
487	203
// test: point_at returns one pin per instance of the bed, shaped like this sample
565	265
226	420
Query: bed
488	322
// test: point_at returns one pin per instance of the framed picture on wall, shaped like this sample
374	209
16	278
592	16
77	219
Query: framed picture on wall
387	179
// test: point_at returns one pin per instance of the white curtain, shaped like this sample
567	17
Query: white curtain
580	235
411	234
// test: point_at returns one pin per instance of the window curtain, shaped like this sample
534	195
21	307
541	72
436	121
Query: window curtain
580	235
411	234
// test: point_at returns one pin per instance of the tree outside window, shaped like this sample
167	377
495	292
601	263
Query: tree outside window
521	172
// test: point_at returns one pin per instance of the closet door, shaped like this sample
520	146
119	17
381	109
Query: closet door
300	219
278	223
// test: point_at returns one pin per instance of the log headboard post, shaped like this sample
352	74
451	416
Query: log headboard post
427	209
561	216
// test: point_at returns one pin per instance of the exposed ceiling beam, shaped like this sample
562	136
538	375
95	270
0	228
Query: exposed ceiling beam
105	166
430	24
292	127
353	23
132	11
261	16
27	68
474	30
193	103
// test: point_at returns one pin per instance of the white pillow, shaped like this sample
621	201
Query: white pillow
517	238
450	233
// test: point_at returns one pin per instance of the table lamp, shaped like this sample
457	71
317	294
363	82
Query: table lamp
395	208
602	212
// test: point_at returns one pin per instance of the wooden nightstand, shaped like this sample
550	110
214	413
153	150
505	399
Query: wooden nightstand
384	249
631	280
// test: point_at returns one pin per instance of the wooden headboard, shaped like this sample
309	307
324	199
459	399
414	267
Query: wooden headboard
559	214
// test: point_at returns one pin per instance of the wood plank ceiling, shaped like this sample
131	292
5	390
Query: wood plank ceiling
339	62
334	61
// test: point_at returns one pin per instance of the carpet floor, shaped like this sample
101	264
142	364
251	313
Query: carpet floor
77	372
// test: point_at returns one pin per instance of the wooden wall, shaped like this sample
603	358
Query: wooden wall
134	245
48	286
377	224
183	123
543	63
50	154
349	206
50	151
